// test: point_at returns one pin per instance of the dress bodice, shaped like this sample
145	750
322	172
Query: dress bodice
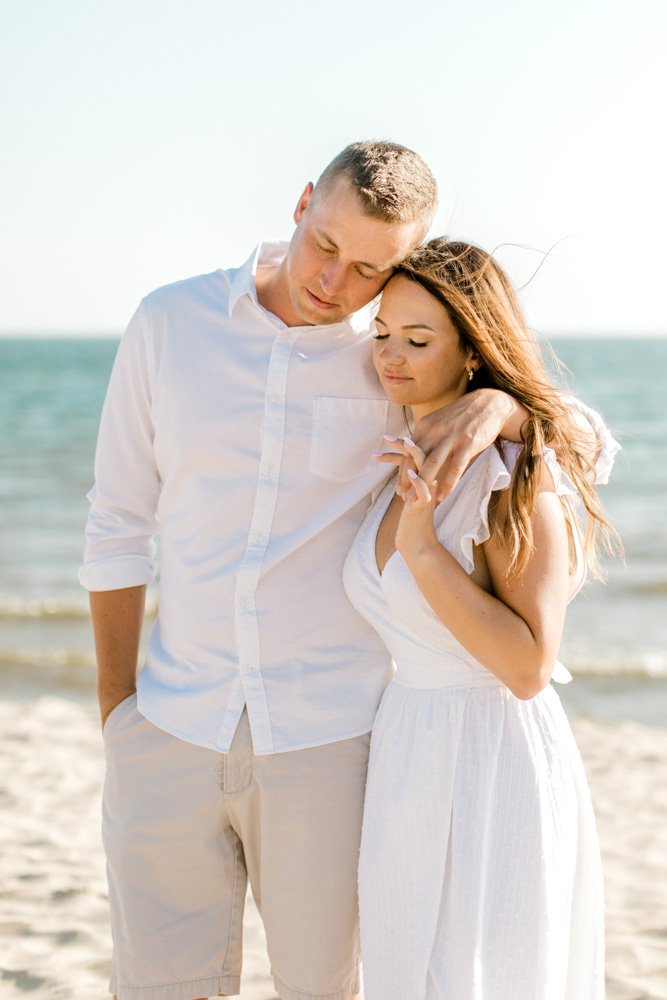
424	650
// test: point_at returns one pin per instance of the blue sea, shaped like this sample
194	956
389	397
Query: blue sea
51	393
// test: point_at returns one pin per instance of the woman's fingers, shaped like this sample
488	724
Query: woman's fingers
390	457
409	459
421	494
405	455
408	447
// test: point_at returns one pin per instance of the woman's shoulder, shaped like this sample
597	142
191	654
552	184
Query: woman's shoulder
504	455
462	519
491	470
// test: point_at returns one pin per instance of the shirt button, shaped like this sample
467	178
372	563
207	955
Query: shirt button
247	668
259	536
275	397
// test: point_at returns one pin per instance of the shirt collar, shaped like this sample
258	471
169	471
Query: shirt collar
243	282
269	253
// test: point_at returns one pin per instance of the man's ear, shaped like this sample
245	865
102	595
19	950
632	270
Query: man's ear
303	202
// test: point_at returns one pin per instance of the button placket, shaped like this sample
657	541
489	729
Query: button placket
249	574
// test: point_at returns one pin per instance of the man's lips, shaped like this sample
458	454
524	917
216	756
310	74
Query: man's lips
320	303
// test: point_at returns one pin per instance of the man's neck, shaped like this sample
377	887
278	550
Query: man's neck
273	294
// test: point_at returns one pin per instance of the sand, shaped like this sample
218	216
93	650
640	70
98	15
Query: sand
54	938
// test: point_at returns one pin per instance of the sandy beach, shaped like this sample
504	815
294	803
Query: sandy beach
54	938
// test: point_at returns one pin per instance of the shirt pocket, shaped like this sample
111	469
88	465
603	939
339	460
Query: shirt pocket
346	432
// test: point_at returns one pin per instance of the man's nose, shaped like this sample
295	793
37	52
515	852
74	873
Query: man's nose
332	278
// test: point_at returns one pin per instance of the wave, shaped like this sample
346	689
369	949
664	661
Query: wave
62	609
50	607
53	609
56	657
651	587
646	665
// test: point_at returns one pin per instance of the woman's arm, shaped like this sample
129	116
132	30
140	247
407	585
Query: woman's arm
515	632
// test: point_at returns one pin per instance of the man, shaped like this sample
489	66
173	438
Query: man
241	417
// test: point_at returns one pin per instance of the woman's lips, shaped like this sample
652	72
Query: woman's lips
395	379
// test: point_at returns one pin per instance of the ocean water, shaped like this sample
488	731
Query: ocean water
51	393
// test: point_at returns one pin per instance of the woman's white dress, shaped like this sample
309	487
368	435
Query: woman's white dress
480	874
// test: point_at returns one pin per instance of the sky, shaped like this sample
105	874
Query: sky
142	142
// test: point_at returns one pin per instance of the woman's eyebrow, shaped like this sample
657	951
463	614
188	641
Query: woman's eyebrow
409	326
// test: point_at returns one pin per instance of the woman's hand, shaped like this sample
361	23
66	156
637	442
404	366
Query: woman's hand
416	530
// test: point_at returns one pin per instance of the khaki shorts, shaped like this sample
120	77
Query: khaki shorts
184	827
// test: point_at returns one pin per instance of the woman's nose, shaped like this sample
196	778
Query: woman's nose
392	353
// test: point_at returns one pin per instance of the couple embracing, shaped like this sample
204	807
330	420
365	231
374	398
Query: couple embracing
310	593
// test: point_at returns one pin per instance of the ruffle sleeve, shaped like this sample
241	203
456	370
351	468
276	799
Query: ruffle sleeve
466	522
462	520
608	446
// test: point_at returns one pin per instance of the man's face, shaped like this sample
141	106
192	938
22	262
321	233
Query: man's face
340	258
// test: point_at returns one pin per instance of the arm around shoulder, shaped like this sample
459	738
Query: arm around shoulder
454	435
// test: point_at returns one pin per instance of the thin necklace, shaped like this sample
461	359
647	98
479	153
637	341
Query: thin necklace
407	422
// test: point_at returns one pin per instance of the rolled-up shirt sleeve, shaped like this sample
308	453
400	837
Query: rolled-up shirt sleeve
607	446
122	520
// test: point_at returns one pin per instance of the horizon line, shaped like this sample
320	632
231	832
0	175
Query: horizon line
59	334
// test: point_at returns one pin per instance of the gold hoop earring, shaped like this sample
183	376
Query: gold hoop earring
471	372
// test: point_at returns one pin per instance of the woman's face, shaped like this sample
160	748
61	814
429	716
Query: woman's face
417	350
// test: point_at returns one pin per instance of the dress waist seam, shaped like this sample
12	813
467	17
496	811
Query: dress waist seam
457	686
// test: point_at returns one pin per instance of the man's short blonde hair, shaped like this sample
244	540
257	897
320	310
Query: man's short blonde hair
392	182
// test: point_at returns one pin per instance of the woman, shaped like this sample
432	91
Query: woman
480	871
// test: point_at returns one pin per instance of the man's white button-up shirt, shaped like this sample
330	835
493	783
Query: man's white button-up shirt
247	445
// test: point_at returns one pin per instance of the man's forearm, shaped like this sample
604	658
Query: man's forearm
117	619
454	435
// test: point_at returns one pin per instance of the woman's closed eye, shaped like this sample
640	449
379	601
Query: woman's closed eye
413	343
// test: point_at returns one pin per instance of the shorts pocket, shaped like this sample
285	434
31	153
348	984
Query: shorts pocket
345	434
115	716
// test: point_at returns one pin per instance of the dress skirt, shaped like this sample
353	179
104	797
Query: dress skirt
480	873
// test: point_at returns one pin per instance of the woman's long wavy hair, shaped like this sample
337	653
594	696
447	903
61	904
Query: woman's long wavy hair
484	308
